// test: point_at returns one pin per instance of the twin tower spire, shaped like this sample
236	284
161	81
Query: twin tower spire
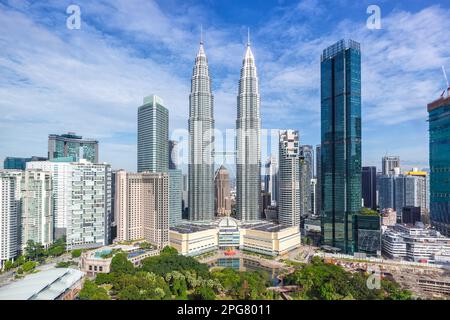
201	141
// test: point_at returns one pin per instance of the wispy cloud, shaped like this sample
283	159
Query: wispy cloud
92	80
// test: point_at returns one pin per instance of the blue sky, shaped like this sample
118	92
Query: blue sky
91	80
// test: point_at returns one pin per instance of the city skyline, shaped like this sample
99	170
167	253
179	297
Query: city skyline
318	171
287	72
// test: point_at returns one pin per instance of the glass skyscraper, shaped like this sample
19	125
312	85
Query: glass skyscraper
341	143
175	196
439	124
72	145
153	136
369	187
201	142
318	199
248	144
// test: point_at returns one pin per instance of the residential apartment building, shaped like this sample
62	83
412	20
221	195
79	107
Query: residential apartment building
142	207
9	215
82	200
37	207
289	204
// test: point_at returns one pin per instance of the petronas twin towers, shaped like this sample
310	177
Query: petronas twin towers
201	142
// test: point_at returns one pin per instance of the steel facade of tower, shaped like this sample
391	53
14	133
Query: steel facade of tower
201	142
248	145
341	142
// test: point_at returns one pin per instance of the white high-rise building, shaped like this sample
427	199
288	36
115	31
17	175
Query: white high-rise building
289	207
9	215
248	142
411	191
201	142
37	207
313	207
271	178
82	197
61	189
388	164
89	222
306	175
142	207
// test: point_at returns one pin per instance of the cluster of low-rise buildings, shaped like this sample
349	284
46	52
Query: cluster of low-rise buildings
99	260
416	243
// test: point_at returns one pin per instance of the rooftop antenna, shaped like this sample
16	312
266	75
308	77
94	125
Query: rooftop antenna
446	81
201	34
248	37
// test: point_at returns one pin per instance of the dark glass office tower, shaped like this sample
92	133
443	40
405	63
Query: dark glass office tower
341	142
319	180
369	187
439	122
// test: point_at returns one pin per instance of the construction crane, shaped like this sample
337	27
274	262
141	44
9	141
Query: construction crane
446	81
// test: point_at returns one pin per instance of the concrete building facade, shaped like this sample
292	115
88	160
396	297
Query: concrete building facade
9	215
289	178
222	192
37	207
142	207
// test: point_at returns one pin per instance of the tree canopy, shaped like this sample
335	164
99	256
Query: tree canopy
166	263
120	264
248	285
92	291
322	281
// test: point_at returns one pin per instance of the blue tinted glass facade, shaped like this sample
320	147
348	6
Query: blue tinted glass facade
439	125
153	136
19	163
175	196
15	163
72	145
341	143
367	233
